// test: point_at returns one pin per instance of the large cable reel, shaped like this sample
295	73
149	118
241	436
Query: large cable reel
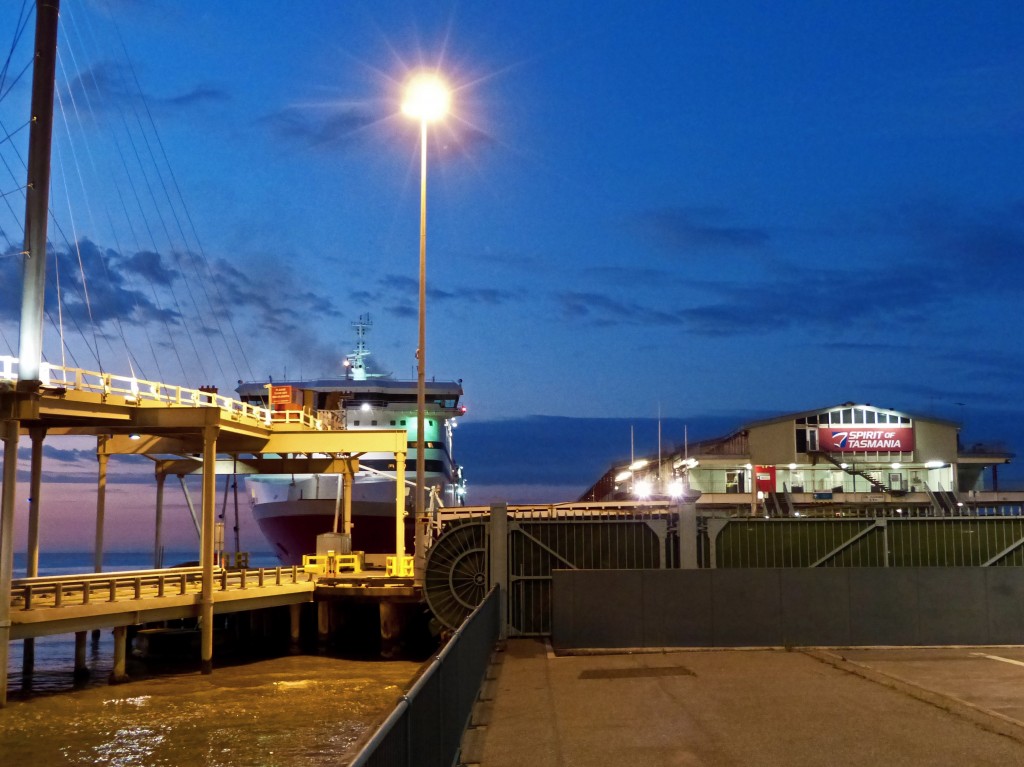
457	577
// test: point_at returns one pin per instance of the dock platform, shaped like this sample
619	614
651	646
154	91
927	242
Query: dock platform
761	706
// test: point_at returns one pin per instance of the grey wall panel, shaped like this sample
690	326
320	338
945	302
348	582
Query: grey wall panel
1004	587
746	609
608	610
952	605
883	606
815	606
735	608
677	608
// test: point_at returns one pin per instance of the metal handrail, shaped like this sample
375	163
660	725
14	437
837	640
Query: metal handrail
135	390
170	582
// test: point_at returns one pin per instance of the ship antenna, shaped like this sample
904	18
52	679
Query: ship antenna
356	358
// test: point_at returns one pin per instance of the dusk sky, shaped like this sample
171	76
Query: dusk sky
715	211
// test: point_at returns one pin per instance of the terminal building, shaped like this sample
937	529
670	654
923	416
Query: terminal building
846	459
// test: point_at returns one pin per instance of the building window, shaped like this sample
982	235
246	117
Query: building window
734	481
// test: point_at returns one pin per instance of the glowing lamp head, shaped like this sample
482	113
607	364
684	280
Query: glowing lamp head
427	98
642	489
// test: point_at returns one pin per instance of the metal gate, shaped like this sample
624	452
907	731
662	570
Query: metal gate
518	548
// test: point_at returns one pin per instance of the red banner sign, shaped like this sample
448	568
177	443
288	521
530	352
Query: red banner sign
848	439
280	395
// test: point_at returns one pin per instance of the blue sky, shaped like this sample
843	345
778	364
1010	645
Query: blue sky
713	210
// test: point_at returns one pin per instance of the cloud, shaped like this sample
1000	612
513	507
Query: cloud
337	127
110	86
894	275
201	94
401	294
108	292
162	296
603	309
969	242
691	229
317	128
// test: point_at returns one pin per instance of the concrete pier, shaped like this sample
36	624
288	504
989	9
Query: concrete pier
763	707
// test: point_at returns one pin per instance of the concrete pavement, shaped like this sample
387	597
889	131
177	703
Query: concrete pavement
750	707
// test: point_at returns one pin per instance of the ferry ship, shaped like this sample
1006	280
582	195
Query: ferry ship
291	510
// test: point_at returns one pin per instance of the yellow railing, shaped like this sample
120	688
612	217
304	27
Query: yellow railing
331	564
136	391
68	590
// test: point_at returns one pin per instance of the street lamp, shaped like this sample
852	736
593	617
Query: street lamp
426	99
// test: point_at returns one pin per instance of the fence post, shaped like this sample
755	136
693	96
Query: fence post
499	562
687	534
715	527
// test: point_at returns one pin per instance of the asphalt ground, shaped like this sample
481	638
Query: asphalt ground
880	706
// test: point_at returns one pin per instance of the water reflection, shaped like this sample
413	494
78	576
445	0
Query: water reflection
296	711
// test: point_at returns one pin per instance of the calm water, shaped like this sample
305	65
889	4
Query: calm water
290	711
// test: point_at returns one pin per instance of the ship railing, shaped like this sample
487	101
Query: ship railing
134	390
569	510
68	590
296	418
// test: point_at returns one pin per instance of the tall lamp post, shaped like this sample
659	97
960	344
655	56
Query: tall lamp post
426	99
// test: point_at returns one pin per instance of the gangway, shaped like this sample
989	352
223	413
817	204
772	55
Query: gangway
183	431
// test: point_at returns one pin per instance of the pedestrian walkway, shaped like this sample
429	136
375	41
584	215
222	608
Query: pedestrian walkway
728	707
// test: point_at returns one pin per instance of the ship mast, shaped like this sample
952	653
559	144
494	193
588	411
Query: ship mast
354	361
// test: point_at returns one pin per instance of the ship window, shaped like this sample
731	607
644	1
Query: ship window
392	423
373	423
402	422
869	416
858	416
847	416
355	423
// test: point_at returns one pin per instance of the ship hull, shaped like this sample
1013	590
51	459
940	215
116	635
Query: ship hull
291	527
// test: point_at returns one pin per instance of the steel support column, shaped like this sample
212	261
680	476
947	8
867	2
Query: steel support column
206	553
399	506
7	498
101	502
81	667
37	433
346	528
159	522
119	672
